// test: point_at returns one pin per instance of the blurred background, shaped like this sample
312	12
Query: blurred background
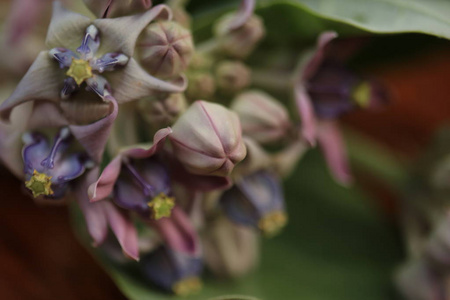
340	244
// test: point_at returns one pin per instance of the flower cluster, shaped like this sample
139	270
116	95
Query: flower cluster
168	146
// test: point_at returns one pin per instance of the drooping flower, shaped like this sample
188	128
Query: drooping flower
325	89
44	80
50	167
176	265
257	201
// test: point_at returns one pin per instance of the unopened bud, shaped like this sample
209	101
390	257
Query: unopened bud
162	112
201	86
262	117
232	76
165	48
241	41
230	250
207	139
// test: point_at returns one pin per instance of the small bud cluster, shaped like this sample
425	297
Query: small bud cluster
146	131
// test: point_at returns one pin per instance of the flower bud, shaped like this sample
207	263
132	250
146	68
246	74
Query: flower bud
162	112
241	41
207	139
113	9
180	15
173	271
201	86
232	76
230	250
165	49
262	117
257	201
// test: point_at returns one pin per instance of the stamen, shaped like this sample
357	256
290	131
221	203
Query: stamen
162	206
39	184
149	191
272	223
187	286
49	161
80	70
361	94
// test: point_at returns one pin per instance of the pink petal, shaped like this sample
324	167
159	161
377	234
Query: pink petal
103	187
307	115
93	136
96	221
178	232
333	147
123	229
158	143
311	66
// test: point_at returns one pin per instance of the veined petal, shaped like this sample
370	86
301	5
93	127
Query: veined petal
133	82
93	136
41	82
66	28
116	33
141	151
63	56
333	147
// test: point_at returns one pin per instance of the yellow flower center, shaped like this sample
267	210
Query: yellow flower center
187	286
272	223
39	184
162	206
79	70
361	94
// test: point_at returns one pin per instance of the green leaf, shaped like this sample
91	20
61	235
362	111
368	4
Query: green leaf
307	18
382	16
335	247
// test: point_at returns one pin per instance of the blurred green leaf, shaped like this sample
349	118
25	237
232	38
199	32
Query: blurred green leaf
335	247
288	19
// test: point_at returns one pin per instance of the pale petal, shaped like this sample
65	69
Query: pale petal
133	82
46	114
306	112
93	136
43	81
11	139
244	13
120	34
333	147
66	28
123	229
